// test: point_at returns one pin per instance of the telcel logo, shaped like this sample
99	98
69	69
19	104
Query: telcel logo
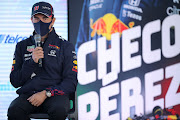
11	39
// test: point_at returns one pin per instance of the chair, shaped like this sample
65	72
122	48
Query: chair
72	115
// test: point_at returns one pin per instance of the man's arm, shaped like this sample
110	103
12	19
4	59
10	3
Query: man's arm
21	70
38	98
69	83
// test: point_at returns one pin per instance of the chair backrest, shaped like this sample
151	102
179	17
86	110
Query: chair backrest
73	112
72	98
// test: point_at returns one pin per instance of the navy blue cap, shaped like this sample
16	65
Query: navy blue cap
42	8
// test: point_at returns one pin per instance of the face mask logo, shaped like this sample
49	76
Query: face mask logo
42	28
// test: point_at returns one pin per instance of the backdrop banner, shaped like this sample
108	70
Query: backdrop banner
128	55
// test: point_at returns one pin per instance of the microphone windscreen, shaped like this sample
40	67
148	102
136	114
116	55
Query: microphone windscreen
37	38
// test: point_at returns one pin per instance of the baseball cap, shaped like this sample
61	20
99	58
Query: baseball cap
43	8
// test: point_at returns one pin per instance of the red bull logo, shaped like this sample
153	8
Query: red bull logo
75	66
107	25
54	46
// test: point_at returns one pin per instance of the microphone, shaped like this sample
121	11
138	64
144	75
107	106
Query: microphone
37	39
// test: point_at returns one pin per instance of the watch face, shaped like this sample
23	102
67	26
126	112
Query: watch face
48	93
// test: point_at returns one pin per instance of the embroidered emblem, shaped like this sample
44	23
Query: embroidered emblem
52	53
30	48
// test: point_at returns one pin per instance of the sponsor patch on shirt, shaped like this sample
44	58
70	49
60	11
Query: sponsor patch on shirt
28	55
12	68
52	53
14	61
75	66
30	48
75	62
54	46
74	70
73	52
28	58
74	57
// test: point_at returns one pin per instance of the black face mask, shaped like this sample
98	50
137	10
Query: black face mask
42	28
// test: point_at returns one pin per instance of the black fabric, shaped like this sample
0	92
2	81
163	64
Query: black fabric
57	107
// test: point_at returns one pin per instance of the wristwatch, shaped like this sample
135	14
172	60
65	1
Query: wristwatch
48	93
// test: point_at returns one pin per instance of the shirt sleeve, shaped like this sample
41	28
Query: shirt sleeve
21	70
69	82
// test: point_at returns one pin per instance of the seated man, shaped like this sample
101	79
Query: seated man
45	74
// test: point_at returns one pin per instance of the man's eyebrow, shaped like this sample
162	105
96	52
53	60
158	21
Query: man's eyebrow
35	17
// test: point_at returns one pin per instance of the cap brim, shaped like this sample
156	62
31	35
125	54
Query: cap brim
41	13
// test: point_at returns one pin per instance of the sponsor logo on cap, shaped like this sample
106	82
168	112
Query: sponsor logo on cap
45	7
36	8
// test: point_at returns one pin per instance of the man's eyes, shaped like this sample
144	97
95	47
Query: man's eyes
36	18
39	19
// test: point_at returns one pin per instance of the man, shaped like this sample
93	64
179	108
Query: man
45	88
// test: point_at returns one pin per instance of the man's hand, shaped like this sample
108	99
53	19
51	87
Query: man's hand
37	54
38	98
